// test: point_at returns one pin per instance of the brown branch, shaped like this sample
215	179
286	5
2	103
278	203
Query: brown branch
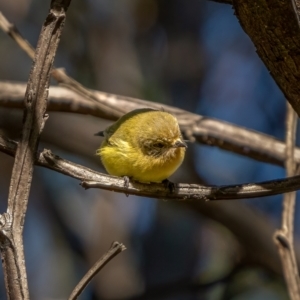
213	133
251	149
284	237
12	249
204	130
196	192
182	192
251	229
114	250
273	27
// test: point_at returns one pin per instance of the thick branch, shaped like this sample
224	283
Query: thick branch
34	118
205	130
273	27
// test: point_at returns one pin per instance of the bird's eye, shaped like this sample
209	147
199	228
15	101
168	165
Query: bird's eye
159	145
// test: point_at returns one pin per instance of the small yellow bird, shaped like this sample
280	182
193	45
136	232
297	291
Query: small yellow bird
145	145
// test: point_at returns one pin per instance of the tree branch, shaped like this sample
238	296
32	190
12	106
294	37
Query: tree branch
182	192
202	129
284	237
250	228
114	250
12	222
255	146
273	27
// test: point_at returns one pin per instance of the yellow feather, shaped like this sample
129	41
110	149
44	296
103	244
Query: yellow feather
145	145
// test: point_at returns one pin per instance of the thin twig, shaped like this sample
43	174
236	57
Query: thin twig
182	192
196	192
113	251
34	119
284	236
202	129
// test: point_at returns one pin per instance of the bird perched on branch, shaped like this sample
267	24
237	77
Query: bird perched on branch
145	145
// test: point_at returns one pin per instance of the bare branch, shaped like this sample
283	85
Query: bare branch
250	228
182	192
247	149
204	130
273	27
34	119
114	250
196	192
284	237
239	144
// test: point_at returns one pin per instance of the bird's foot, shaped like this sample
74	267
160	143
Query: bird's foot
169	185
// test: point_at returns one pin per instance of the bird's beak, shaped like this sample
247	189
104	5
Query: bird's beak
180	143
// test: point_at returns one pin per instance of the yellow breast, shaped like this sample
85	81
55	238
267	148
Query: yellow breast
125	160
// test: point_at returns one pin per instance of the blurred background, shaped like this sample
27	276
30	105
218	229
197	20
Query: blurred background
190	54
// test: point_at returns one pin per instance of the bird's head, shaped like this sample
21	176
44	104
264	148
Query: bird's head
163	146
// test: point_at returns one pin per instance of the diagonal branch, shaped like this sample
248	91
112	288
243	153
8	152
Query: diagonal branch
202	129
114	250
273	26
34	119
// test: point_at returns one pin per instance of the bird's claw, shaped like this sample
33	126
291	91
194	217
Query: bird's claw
169	185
